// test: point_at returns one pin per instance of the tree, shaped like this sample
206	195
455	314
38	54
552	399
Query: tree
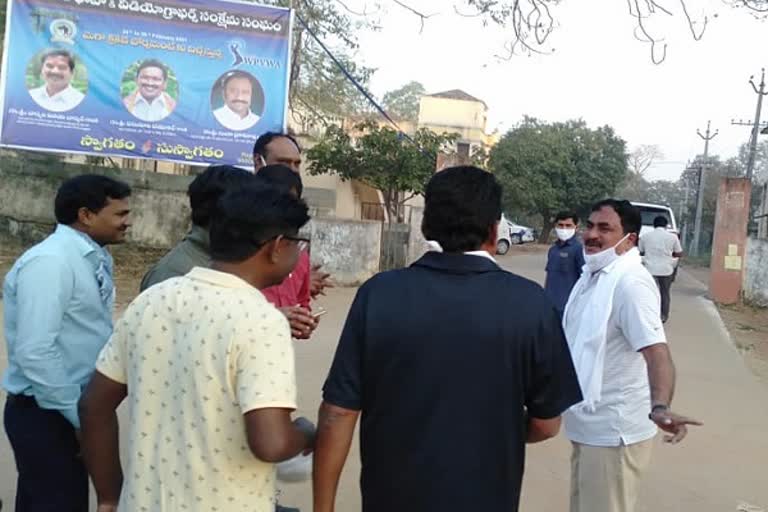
381	158
404	102
319	90
642	157
549	167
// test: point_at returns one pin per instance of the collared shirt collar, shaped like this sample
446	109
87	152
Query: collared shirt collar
218	278
160	100
482	254
458	263
199	236
62	95
85	243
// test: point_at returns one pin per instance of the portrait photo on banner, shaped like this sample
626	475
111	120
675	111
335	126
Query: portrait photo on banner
57	80
150	90
237	100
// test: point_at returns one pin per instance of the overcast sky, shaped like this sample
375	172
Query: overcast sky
598	72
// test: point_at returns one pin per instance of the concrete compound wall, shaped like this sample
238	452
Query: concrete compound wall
27	189
756	272
349	250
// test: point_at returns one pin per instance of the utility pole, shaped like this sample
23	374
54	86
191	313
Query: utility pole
756	125
702	179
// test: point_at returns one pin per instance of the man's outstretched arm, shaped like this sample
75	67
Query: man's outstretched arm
335	429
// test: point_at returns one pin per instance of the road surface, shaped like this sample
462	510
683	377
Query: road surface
718	468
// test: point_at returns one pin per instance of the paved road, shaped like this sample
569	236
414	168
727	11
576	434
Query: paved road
719	466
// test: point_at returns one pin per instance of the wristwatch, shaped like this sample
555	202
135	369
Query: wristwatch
657	407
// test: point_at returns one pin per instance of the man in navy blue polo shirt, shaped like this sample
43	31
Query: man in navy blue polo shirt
564	261
454	363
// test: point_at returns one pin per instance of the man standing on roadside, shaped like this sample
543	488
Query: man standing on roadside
625	370
274	148
659	250
208	367
449	389
59	299
564	260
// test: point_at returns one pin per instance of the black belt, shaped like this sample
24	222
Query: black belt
22	400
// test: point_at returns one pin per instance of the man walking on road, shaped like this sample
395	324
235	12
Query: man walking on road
208	367
59	299
450	386
659	250
625	370
564	260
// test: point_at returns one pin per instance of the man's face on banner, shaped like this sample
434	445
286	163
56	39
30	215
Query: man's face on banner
151	82
237	95
56	72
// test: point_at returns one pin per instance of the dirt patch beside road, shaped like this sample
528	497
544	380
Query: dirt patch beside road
748	327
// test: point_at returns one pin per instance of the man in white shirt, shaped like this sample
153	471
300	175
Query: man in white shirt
149	102
57	95
624	366
659	250
236	113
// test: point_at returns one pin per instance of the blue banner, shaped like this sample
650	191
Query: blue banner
193	82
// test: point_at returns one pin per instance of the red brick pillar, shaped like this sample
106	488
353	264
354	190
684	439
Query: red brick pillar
729	245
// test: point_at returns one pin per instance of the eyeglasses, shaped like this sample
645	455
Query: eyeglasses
301	242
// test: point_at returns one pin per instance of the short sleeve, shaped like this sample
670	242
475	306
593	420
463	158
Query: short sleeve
113	361
343	387
677	247
552	385
263	363
640	312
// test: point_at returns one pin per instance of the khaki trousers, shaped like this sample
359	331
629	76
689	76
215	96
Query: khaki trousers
606	479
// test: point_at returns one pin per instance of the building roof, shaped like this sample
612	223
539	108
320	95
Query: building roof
457	94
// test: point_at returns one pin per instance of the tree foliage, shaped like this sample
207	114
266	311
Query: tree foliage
381	158
549	167
404	102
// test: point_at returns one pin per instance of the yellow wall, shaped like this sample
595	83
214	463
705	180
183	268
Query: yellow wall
467	118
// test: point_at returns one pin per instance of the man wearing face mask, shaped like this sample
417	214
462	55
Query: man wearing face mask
564	261
625	370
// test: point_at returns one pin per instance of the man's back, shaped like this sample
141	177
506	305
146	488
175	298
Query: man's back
442	359
658	248
196	353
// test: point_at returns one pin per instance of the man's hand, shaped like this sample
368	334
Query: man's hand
318	281
301	321
673	423
107	507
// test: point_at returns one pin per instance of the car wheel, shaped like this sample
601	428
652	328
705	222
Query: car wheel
516	239
502	247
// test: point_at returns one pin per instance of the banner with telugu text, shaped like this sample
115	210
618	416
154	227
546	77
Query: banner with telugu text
193	82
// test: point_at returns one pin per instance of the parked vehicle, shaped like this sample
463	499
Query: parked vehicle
651	211
503	240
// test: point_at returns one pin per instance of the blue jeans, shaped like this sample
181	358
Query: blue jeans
52	477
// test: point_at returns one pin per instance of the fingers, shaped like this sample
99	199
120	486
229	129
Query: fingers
678	436
301	321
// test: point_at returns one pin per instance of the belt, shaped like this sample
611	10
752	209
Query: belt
22	400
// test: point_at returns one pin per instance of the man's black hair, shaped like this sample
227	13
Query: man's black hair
209	186
565	215
59	53
461	206
248	217
281	177
660	222
235	74
631	218
153	63
90	191
260	146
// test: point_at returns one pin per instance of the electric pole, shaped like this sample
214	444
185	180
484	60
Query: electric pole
700	198
760	91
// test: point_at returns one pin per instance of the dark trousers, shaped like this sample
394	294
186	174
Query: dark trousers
52	476
664	283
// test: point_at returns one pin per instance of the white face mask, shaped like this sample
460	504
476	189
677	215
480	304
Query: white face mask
565	234
597	262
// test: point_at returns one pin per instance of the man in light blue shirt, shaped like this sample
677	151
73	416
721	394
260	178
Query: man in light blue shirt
59	298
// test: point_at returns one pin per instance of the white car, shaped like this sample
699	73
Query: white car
503	239
650	211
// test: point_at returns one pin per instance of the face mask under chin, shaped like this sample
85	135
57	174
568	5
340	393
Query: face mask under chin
597	262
